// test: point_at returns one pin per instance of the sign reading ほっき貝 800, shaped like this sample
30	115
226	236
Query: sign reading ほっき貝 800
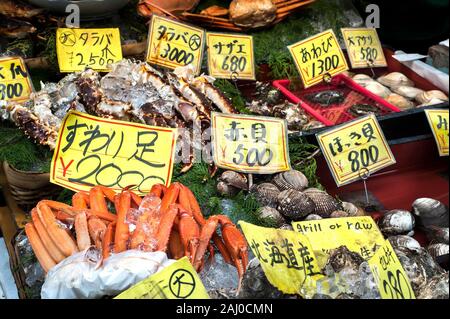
94	151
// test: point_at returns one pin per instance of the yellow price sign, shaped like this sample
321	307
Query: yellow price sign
230	56
355	150
286	257
95	151
177	281
173	44
392	281
15	82
318	57
78	49
364	47
359	234
250	144
438	120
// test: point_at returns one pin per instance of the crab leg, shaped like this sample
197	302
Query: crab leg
39	249
158	190
165	227
97	200
52	249
97	230
82	231
175	245
189	233
108	240
122	231
170	197
80	200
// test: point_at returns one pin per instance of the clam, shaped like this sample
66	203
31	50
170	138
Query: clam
407	91
438	250
291	180
226	190
397	222
378	89
324	203
234	179
339	214
266	194
313	217
431	102
436	288
404	241
438	234
427	97
430	212
363	79
395	79
272	215
400	101
294	204
352	209
286	227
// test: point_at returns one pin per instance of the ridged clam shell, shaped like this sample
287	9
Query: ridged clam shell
430	212
378	89
397	222
399	101
234	179
363	79
267	194
294	204
325	204
352	209
436	288
404	241
407	91
272	215
313	217
395	79
291	180
226	190
427	97
438	250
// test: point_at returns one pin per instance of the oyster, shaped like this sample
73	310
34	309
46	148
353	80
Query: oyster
352	209
438	250
313	125
266	194
438	234
400	101
378	89
294	204
342	258
326	98
436	288
395	79
397	222
358	110
430	212
404	241
271	214
295	116
407	91
291	180
324	203
427	97
363	79
287	227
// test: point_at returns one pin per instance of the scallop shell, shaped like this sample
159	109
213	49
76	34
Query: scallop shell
436	288
352	209
271	214
294	204
404	241
267	194
324	203
407	91
363	79
395	79
313	217
400	101
378	89
438	250
291	180
428	96
339	214
397	222
234	179
430	212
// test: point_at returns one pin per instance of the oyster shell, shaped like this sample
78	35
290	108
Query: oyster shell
271	214
294	204
378	89
397	222
324	203
404	241
252	14
436	288
342	258
427	97
400	101
363	79
430	212
291	180
313	217
395	79
352	209
407	91
438	250
234	179
266	194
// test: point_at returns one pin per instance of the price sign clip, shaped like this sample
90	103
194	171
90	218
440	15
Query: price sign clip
364	174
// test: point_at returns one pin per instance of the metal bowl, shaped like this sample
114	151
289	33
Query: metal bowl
89	9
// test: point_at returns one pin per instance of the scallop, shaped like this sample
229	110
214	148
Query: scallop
272	215
404	241
438	250
324	203
427	97
363	79
234	179
378	89
295	205
267	194
352	209
400	101
291	180
313	217
430	212
397	222
408	92
395	79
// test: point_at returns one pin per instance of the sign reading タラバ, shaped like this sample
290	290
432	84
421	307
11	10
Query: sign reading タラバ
15	82
230	56
78	49
94	151
364	47
439	122
250	144
355	149
173	44
317	57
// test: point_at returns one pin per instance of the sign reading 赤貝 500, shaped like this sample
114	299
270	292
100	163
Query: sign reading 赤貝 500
95	151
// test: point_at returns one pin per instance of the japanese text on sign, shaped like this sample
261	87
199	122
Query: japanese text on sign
286	257
355	149
250	144
317	57
173	44
439	122
230	56
359	234
78	49
364	48
15	82
92	151
177	281
389	274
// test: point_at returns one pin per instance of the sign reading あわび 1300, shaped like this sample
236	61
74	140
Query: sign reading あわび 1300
93	151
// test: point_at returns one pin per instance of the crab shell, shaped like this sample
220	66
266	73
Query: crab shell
295	205
397	222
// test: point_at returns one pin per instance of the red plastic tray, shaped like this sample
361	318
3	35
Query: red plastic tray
335	113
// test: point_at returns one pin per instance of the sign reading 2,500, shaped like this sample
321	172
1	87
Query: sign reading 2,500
363	158
10	90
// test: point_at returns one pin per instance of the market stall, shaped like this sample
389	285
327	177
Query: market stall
220	149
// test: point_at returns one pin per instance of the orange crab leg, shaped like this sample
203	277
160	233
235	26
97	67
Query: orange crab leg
170	197
165	226
189	233
97	200
82	231
122	231
39	249
175	245
80	200
108	240
52	249
158	190
97	230
64	217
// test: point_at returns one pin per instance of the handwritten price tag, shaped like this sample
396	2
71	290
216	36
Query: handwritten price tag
78	49
439	123
355	149
15	82
94	151
286	257
317	57
389	274
173	44
364	48
250	144
177	281
359	234
230	56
